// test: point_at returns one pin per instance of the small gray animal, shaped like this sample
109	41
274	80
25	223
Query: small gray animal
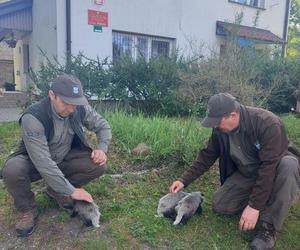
188	206
87	212
167	204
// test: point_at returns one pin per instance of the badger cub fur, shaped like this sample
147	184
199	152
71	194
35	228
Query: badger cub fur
188	206
87	212
167	204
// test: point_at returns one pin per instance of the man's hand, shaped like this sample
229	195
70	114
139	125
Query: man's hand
99	157
248	219
81	194
176	186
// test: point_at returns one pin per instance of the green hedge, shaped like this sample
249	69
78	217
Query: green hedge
181	86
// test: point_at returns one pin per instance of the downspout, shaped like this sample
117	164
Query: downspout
68	33
285	27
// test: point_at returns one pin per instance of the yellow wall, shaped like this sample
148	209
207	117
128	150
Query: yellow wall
19	67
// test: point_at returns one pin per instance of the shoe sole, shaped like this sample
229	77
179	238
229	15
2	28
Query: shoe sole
20	234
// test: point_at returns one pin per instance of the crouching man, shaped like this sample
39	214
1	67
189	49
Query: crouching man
54	147
259	169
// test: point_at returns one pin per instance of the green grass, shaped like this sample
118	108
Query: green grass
96	245
9	139
172	140
128	204
293	128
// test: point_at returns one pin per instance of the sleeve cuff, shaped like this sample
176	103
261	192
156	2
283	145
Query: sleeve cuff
103	147
252	205
184	182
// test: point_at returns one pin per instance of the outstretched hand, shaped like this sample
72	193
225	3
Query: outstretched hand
249	218
176	186
81	194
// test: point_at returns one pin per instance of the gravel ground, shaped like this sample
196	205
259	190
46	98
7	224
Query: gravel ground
9	114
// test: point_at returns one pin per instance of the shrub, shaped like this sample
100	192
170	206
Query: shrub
181	86
92	73
154	82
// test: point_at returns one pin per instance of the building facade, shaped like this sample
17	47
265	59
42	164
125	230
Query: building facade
6	65
112	28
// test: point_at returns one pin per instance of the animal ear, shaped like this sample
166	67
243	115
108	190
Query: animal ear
185	219
74	214
171	214
88	223
199	210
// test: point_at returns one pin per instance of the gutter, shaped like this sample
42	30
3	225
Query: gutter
68	33
285	27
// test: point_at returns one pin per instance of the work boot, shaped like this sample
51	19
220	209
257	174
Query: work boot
265	239
27	222
63	201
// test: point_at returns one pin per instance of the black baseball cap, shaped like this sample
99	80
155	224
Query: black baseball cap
218	106
69	89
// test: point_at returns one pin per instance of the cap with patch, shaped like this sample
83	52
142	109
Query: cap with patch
218	106
69	89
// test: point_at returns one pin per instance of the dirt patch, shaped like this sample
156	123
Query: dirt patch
55	230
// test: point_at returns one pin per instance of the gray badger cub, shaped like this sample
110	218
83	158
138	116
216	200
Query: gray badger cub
87	212
167	204
188	206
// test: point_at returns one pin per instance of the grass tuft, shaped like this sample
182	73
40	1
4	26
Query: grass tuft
128	204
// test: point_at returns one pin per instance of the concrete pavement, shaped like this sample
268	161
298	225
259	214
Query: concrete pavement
10	114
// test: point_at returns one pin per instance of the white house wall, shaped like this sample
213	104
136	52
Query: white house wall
198	20
44	34
183	20
155	17
84	39
61	36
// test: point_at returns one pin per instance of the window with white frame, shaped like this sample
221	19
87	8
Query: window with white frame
253	3
136	45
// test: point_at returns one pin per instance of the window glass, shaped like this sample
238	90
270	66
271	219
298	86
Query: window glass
254	3
134	45
142	47
122	45
159	48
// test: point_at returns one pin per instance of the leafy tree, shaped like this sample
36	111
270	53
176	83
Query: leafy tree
293	49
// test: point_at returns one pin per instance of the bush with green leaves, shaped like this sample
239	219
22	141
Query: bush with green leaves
257	78
92	73
181	86
279	79
147	86
154	82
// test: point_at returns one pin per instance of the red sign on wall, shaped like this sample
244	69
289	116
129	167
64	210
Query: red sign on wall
97	18
99	2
